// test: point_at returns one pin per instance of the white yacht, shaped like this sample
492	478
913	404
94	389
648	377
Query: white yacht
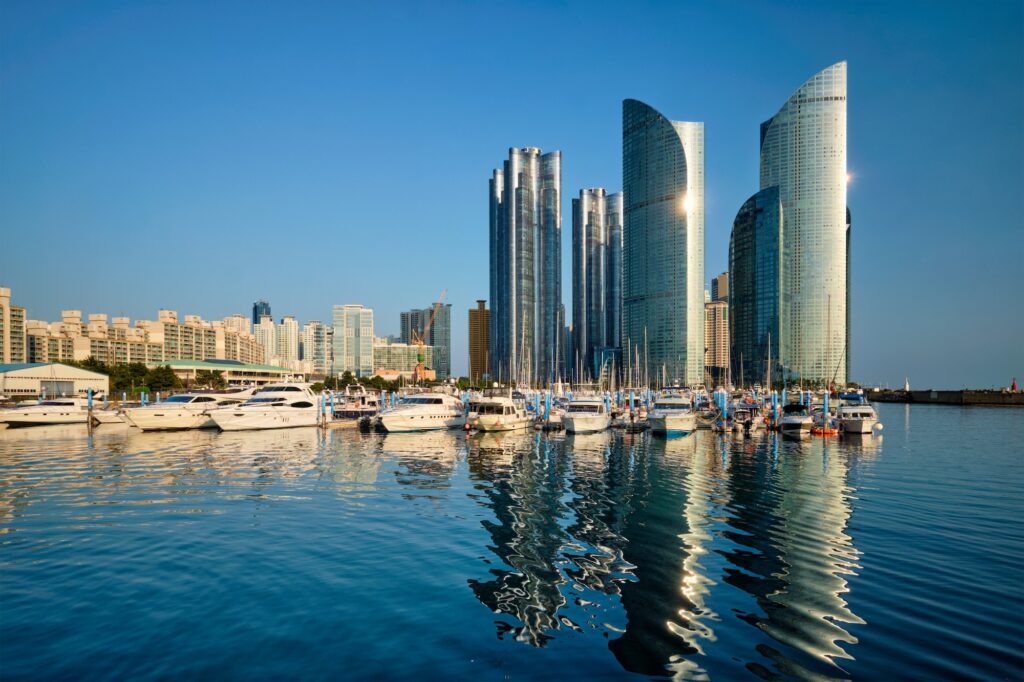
184	411
356	403
673	415
74	410
586	415
857	418
796	420
274	406
424	412
497	411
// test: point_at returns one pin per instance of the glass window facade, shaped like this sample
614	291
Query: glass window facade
663	243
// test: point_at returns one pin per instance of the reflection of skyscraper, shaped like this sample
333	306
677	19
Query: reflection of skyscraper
663	243
525	253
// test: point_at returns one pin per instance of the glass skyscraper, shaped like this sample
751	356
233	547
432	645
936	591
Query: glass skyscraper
259	309
439	336
596	278
525	273
803	155
755	271
352	343
663	244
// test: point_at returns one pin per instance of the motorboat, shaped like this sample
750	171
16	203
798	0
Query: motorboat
498	412
356	405
747	418
796	419
586	415
184	411
673	415
424	412
857	418
73	410
274	406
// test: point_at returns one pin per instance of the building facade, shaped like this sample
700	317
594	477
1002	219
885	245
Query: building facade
479	341
663	243
439	336
716	342
260	309
265	332
392	360
288	338
596	279
803	154
720	287
755	265
13	342
352	344
525	266
315	348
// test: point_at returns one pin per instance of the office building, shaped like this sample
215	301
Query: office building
398	360
260	309
716	342
479	341
663	244
596	279
352	345
439	336
13	343
525	266
720	287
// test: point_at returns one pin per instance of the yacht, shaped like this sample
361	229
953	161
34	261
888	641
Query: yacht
356	404
274	406
586	415
497	411
184	411
796	419
673	415
424	412
857	418
74	410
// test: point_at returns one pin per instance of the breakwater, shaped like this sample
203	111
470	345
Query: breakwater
937	397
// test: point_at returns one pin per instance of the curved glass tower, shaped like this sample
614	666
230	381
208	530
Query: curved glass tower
803	154
663	245
755	273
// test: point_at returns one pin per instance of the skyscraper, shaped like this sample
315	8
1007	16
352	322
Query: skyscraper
259	309
716	341
663	244
755	266
266	336
288	339
439	335
353	340
720	287
479	340
596	277
525	273
803	157
314	346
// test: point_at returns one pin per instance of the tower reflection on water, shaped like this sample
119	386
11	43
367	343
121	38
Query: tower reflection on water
673	548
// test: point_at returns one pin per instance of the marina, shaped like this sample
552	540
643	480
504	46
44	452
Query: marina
514	554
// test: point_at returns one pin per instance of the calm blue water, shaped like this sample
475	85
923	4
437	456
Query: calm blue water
436	556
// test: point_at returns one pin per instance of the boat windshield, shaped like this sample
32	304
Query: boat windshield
179	399
423	401
490	408
671	406
585	408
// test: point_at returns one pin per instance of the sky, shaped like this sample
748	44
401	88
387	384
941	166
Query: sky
200	155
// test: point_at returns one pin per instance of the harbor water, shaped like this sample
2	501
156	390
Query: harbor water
308	554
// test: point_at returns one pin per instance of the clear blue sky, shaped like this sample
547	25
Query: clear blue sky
197	156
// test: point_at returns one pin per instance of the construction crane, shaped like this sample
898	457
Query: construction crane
420	373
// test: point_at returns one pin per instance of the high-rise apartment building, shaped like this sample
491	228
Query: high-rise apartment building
663	244
13	342
260	309
439	336
353	340
315	348
525	260
720	287
803	158
716	342
265	332
596	278
479	341
288	338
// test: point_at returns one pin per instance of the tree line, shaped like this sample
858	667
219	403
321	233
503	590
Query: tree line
134	378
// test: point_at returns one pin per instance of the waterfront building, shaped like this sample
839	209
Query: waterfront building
716	342
13	344
315	347
755	262
803	156
663	243
266	335
596	277
439	335
288	340
525	265
260	309
353	340
234	373
479	341
392	360
49	378
720	287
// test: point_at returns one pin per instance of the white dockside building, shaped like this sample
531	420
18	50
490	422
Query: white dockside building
49	378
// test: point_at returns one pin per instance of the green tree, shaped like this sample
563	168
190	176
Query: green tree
161	379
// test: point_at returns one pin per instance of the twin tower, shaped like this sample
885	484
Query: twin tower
638	256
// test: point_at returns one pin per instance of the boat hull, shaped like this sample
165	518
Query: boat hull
235	419
673	425
22	418
154	419
857	425
405	423
585	423
488	422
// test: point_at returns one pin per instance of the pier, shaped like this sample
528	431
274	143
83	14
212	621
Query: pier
962	397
